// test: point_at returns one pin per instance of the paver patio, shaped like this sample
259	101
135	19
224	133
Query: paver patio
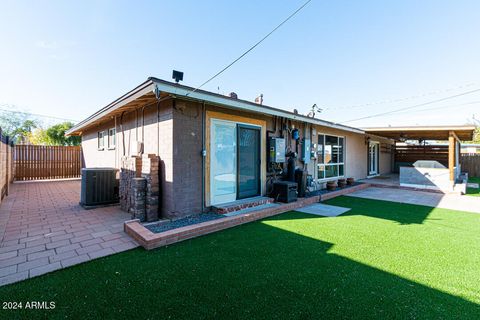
43	228
439	200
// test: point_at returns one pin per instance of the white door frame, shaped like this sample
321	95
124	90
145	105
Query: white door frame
373	155
229	197
215	200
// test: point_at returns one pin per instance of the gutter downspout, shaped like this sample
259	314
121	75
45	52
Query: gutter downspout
158	128
143	129
116	152
123	133
203	155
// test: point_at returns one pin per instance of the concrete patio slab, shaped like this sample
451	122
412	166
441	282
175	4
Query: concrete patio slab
439	200
389	180
324	210
43	229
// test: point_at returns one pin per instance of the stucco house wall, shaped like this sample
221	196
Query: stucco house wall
386	158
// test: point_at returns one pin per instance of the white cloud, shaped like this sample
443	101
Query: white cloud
58	56
47	44
56	50
53	45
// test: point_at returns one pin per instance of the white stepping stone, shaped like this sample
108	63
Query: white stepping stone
472	185
325	210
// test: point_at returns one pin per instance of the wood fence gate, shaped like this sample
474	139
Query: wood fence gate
47	162
471	163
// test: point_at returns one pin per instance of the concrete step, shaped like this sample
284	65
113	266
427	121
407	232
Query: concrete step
251	209
241	204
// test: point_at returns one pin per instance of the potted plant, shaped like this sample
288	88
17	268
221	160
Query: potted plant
350	181
331	185
342	183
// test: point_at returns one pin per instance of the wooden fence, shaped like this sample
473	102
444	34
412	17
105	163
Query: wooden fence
47	162
6	165
471	163
412	153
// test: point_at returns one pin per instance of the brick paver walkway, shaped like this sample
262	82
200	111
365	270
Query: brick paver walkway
43	228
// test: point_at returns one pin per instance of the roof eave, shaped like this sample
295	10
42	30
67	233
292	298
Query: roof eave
140	90
184	92
216	99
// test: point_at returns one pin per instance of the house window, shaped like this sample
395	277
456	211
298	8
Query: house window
331	156
112	138
101	140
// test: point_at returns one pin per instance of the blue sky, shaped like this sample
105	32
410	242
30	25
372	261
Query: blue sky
68	59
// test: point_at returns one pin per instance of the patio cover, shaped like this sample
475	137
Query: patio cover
453	134
463	132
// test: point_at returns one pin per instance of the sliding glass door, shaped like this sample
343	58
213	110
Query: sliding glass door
234	161
223	161
248	161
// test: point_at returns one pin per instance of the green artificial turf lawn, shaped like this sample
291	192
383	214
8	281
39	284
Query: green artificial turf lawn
474	191
380	260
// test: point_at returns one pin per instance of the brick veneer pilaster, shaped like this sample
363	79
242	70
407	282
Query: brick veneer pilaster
130	168
138	209
139	186
150	171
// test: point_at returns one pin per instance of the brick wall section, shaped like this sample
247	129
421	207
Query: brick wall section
150	240
187	152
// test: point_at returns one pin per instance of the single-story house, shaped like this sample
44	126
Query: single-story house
217	149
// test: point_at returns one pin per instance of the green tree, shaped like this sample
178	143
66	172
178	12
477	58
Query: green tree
16	125
39	137
476	135
56	135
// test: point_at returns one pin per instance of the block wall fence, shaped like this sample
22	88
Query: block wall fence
7	169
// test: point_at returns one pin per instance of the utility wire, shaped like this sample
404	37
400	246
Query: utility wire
414	106
35	114
251	48
400	99
458	106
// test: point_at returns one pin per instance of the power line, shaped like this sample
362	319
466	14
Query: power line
251	48
36	114
414	106
442	107
400	99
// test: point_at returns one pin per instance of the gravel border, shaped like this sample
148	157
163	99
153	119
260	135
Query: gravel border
183	222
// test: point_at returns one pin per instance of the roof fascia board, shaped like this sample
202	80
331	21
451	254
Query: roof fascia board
144	88
238	104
